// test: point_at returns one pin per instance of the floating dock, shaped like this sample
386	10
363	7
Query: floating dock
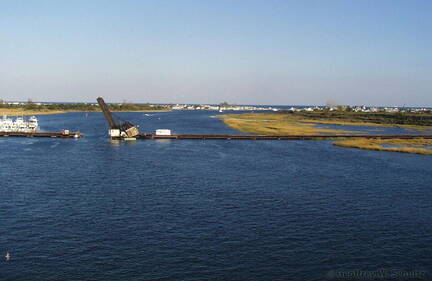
70	135
275	137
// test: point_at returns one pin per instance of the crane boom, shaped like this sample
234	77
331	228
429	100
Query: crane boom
123	130
107	113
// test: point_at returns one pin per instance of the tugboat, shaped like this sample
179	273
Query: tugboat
19	124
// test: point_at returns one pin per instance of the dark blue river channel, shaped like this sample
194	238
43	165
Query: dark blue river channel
89	209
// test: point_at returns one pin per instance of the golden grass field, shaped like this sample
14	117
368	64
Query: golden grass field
285	124
416	146
22	112
273	124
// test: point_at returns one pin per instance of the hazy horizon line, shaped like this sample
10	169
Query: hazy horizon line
194	103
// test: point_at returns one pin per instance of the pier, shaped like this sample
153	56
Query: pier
275	137
62	135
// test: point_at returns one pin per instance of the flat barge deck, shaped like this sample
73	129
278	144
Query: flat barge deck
276	137
70	135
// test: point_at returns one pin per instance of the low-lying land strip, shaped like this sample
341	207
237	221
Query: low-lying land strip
417	146
40	109
408	120
274	124
21	111
306	124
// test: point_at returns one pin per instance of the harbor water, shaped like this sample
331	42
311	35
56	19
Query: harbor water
91	209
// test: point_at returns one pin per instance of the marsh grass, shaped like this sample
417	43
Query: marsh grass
416	146
296	124
22	112
408	120
274	124
368	124
289	124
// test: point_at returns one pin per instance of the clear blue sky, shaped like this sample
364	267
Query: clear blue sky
373	52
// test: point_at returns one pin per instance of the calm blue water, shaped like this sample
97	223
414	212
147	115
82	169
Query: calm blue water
89	209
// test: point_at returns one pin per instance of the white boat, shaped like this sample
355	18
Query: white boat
19	124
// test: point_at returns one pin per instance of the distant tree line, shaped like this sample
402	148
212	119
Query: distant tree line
81	107
423	118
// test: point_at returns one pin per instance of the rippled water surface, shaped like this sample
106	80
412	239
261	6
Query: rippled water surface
89	209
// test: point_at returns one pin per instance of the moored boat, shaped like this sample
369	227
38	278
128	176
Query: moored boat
20	124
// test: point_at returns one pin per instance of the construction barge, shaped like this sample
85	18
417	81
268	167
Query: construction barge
62	135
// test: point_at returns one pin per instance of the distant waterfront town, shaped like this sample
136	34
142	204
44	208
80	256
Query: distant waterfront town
222	107
226	107
297	108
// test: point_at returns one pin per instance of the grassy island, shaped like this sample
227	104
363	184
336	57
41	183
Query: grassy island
408	120
306	124
417	146
274	124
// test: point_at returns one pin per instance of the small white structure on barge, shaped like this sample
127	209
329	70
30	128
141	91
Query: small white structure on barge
19	124
163	132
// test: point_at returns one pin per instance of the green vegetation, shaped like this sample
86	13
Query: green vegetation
224	104
31	108
413	120
417	146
